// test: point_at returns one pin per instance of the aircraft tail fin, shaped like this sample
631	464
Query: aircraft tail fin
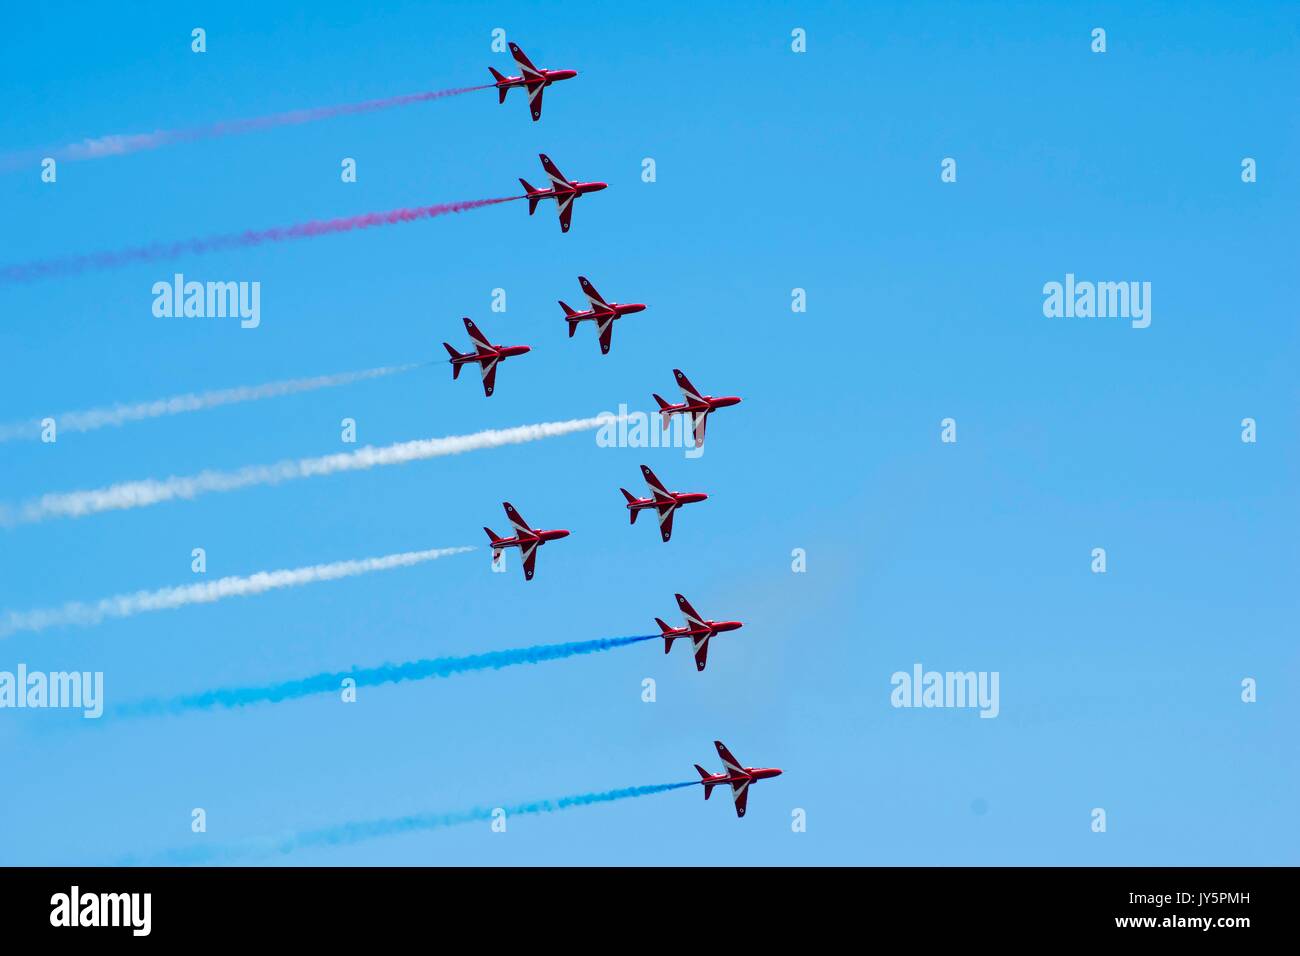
533	198
668	636
631	498
704	775
498	76
492	535
455	368
663	409
569	314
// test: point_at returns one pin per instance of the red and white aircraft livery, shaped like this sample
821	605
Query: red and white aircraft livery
734	774
662	500
697	629
488	356
562	191
526	539
601	312
696	405
533	80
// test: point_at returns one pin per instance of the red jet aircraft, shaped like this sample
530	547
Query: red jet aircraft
734	774
696	405
488	356
662	500
526	539
562	191
697	629
533	80
601	312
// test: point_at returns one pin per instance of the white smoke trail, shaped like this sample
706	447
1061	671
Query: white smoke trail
164	599
120	414
119	144
150	491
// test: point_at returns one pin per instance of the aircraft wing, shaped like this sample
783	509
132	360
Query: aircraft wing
729	761
700	421
478	338
689	391
489	375
666	519
656	486
692	618
526	65
522	530
606	335
535	98
553	171
592	295
701	653
528	552
566	212
740	793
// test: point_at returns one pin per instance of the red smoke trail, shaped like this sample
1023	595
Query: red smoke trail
74	265
121	145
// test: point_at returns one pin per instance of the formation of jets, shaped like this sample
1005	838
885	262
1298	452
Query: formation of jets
695	407
535	81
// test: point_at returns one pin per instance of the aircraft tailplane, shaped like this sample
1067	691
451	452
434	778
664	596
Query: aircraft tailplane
501	90
663	410
533	197
455	367
704	775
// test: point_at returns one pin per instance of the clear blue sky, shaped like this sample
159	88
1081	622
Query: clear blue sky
775	171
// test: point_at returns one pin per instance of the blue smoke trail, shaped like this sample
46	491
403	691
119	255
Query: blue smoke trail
348	833
331	682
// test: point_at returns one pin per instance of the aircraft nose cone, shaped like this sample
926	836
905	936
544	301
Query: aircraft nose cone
561	534
597	187
638	307
525	348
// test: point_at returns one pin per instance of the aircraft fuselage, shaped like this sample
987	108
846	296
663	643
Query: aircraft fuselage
539	536
750	774
499	352
577	189
679	499
709	630
616	310
548	77
709	404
